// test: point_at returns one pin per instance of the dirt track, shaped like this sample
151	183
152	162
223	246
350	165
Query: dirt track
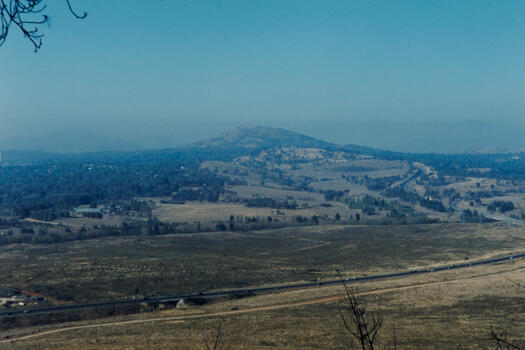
182	318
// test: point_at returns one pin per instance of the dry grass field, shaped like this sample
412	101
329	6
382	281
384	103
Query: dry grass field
220	212
446	310
118	267
247	192
78	222
374	168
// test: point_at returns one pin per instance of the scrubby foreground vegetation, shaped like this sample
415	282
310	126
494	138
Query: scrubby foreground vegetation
449	311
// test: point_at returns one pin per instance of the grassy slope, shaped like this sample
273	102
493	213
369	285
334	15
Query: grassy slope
118	267
448	310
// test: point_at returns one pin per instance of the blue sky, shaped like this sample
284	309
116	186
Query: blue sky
170	72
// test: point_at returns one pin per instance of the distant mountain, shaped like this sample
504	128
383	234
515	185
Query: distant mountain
256	138
67	141
239	141
491	150
243	140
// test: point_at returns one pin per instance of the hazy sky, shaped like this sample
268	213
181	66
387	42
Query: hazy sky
170	72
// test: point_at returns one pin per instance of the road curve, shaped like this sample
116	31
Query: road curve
251	291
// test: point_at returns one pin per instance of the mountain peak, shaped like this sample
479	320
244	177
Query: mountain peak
255	138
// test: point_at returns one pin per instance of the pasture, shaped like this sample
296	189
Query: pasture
119	267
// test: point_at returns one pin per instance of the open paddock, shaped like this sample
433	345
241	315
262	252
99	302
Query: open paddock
205	212
119	267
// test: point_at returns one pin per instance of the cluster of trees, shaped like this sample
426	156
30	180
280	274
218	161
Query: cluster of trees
433	204
468	215
207	193
380	183
47	234
402	194
368	201
502	206
17	231
50	189
452	194
265	202
332	195
474	195
92	215
412	197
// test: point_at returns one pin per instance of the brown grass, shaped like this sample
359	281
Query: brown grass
215	212
449	310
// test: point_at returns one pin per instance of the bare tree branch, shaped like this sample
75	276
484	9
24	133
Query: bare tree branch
216	344
516	283
394	335
361	323
74	13
27	16
502	341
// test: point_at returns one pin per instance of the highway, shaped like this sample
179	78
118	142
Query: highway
501	218
506	219
252	291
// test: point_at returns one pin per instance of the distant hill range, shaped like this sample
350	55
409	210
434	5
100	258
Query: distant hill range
67	141
239	141
243	140
491	150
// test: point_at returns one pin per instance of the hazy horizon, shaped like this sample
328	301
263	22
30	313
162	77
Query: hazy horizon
439	137
406	76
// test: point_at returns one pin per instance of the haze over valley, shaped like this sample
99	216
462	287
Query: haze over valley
416	137
255	175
